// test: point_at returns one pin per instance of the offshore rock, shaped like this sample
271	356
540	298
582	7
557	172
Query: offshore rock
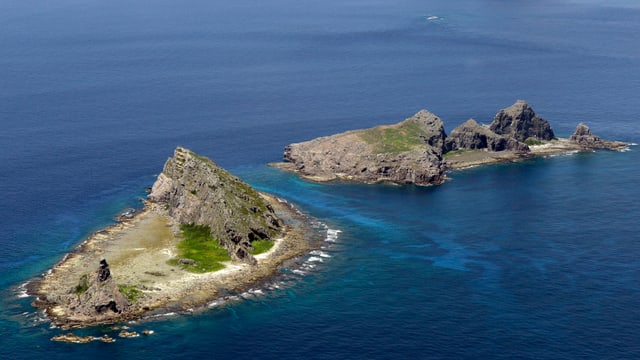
406	152
520	122
583	137
195	190
471	135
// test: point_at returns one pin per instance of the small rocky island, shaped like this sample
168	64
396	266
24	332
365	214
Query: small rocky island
157	260
418	151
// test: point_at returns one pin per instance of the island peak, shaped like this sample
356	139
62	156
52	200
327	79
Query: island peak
195	190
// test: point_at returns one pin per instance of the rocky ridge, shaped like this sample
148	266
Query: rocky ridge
195	190
417	150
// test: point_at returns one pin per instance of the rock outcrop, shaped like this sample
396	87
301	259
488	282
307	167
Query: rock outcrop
194	190
407	152
415	150
583	137
96	296
520	122
472	136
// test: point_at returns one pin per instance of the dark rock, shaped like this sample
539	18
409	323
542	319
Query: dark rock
103	272
471	135
520	122
187	262
583	137
111	305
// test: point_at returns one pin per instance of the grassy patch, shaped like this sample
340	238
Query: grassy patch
131	292
393	139
533	141
457	152
82	286
198	245
261	246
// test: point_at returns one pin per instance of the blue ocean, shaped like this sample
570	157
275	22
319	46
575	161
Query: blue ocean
532	260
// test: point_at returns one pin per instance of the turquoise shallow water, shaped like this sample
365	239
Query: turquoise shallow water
537	259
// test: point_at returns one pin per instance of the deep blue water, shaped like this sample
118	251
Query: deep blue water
539	259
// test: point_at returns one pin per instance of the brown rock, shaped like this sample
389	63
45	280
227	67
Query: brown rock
406	152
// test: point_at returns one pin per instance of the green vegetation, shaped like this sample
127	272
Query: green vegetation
457	152
533	141
201	157
198	245
131	292
394	139
261	246
82	286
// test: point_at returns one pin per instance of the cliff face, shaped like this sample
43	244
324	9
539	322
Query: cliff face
195	190
407	152
520	122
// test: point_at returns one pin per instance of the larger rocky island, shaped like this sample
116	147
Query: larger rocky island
418	151
141	266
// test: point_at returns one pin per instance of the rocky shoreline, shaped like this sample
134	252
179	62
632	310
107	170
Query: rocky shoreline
123	272
164	288
418	151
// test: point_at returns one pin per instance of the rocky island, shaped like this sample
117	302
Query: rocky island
203	234
418	151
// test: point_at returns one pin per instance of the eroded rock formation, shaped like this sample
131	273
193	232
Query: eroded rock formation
96	298
471	135
194	190
520	122
583	137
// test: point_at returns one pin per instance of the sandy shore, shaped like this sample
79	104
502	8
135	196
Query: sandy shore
138	250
